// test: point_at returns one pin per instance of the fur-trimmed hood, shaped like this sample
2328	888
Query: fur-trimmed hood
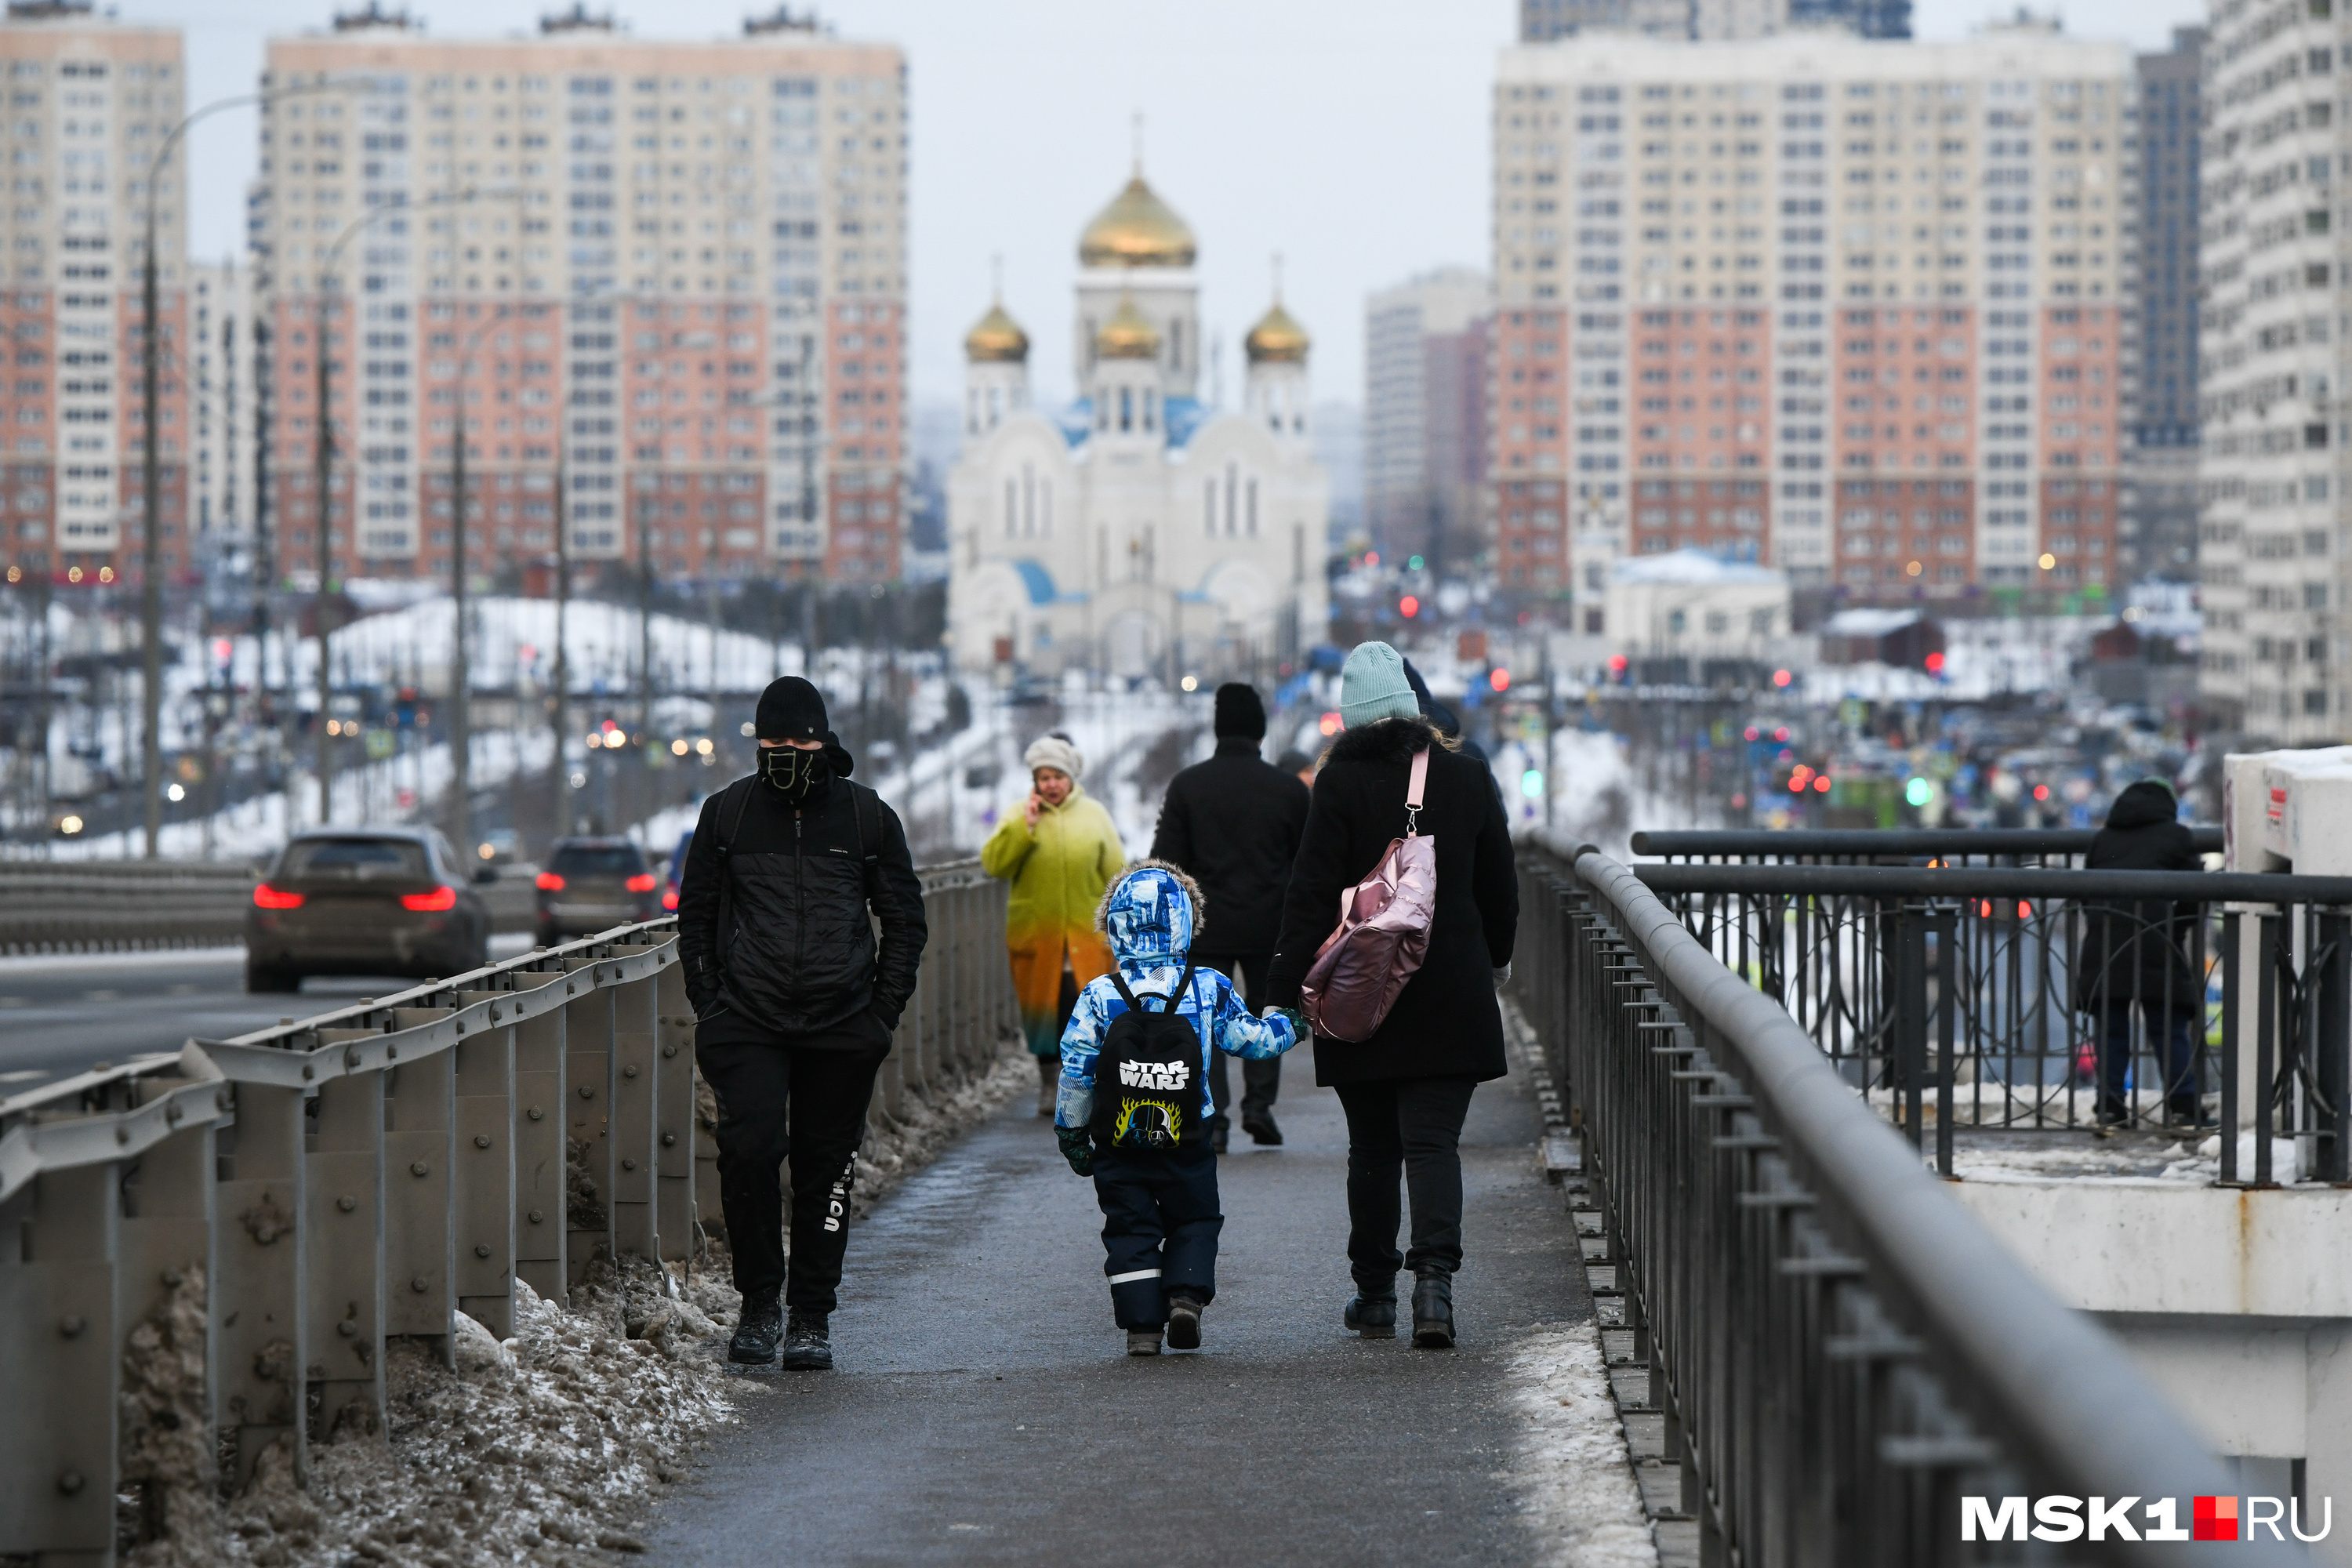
1387	741
1151	913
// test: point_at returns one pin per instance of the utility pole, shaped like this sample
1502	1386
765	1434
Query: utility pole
560	716
151	583
461	813
323	450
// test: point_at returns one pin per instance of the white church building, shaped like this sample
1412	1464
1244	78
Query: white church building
1136	531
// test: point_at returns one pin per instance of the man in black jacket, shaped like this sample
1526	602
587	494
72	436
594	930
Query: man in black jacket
2135	952
795	1004
1232	824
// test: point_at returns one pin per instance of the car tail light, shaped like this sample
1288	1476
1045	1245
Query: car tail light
641	883
438	898
549	882
669	897
266	897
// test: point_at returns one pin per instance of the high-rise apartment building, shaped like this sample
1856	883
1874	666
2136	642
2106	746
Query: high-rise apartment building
673	273
89	101
1857	310
222	410
1542	21
2272	543
2160	510
1425	414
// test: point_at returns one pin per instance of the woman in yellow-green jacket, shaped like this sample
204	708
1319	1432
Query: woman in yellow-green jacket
1059	850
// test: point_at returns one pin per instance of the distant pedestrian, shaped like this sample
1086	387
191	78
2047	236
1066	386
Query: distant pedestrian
2133	952
1059	850
1298	766
1232	823
1132	1113
795	1005
1406	1091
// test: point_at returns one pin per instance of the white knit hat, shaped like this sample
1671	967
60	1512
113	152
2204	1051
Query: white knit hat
1053	752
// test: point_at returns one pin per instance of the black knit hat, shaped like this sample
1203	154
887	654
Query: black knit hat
790	709
1239	711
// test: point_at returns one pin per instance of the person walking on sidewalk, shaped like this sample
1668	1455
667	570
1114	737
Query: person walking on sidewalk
1131	1109
1059	850
794	1005
2136	952
1232	823
1406	1090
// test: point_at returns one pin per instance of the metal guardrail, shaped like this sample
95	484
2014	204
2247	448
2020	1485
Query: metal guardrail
2005	995
1841	1353
1954	846
369	1171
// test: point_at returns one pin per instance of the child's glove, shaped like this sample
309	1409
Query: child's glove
1300	1030
1077	1148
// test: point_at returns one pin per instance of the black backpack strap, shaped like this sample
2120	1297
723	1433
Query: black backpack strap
1124	993
867	806
1184	989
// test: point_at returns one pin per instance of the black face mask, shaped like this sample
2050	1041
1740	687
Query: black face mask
792	771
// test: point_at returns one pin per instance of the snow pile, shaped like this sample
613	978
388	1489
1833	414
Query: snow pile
1574	1474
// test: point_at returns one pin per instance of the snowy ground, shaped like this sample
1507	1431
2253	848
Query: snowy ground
1574	1474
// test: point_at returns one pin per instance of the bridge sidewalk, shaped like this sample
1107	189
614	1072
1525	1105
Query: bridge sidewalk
983	1411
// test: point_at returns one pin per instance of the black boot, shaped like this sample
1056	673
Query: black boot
1432	1309
807	1347
1371	1310
1184	1323
1260	1126
756	1335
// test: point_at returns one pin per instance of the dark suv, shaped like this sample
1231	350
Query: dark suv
594	884
388	900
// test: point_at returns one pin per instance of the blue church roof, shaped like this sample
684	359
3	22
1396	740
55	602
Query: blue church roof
1182	416
1077	421
1037	580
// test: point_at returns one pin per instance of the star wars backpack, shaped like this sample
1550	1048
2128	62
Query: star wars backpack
1148	1077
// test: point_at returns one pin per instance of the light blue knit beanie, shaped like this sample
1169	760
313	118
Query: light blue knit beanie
1372	687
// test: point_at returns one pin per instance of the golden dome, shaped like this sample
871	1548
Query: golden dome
1129	334
996	339
1276	339
1137	229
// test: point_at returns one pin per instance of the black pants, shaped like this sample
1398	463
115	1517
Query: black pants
780	1102
1261	1080
1161	1223
1412	1126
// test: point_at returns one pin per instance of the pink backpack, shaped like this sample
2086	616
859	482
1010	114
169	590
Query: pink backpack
1383	932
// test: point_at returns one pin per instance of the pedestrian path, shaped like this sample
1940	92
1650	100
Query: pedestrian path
983	1411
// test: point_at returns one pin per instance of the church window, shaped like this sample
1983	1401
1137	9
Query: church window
995	407
1209	508
1232	481
1045	507
1252	508
1176	345
972	412
1151	408
1028	501
1012	511
1127	408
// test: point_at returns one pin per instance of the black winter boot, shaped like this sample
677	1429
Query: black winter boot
1432	1309
755	1337
1371	1310
1184	1323
807	1347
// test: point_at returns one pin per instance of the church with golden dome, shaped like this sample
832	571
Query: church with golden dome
1138	531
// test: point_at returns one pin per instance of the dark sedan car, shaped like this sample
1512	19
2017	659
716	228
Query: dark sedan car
594	884
365	901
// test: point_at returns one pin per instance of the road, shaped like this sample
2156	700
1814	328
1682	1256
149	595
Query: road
65	1014
984	1411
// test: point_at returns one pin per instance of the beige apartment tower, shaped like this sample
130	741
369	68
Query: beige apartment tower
670	274
89	101
1859	310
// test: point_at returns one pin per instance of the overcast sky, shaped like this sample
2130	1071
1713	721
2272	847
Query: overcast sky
1349	135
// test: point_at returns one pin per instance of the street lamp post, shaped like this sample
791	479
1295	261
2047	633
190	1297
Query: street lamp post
151	599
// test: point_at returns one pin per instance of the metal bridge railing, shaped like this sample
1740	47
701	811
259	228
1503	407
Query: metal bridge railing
1841	1353
369	1171
1900	846
1998	997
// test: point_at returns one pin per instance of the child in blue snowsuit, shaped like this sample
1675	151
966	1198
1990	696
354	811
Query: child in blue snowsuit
1161	1218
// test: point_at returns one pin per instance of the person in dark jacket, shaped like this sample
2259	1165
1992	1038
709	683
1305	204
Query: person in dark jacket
1406	1090
795	1005
2135	952
1232	824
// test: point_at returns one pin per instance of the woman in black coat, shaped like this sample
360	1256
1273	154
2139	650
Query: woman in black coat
1406	1090
2134	951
